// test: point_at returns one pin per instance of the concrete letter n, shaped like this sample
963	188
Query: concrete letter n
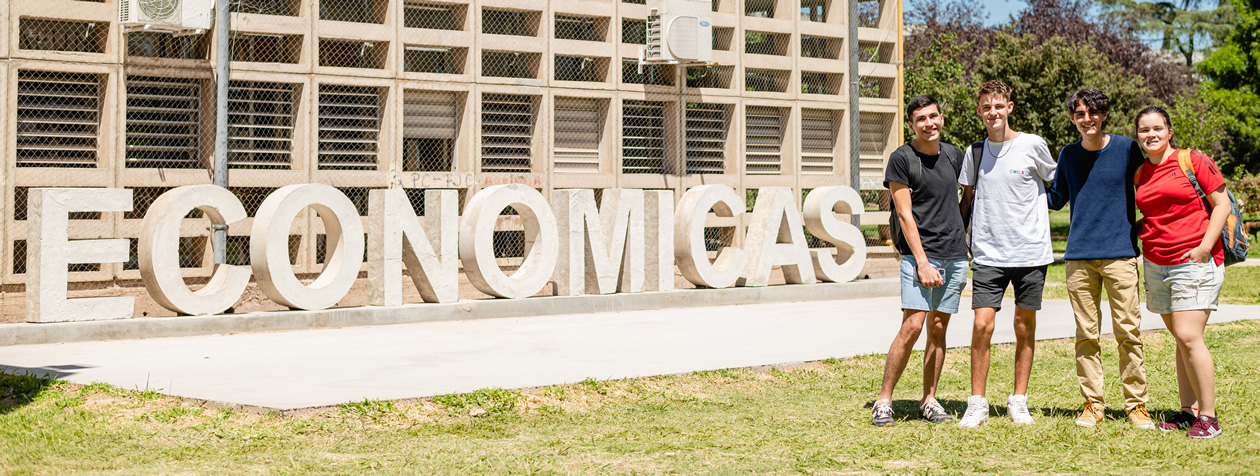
776	237
689	249
50	251
269	246
430	249
159	251
821	205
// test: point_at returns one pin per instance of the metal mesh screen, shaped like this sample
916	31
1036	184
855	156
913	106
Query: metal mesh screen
821	47
707	125
572	27
875	133
759	8
353	54
58	119
510	22
722	37
763	43
819	128
652	74
581	68
710	76
815	10
507	132
261	118
634	31
508	64
821	83
643	137
356	11
868	13
763	139
288	8
349	126
434	16
767	80
876	87
54	35
258	48
875	52
430	121
434	59
578	129
164	118
161	44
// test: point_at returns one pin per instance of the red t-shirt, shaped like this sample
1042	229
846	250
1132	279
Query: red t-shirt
1174	217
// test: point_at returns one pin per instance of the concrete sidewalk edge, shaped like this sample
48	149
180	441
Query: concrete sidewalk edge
153	327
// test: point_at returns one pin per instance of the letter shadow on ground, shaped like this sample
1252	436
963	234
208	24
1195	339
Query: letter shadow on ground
19	386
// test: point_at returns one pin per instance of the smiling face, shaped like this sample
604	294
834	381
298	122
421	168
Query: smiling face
1153	134
926	123
1088	123
993	110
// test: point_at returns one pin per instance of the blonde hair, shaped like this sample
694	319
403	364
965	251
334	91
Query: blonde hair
995	87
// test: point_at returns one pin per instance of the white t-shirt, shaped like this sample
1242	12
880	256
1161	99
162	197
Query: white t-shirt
1010	225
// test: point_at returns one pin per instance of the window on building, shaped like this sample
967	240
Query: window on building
430	120
578	124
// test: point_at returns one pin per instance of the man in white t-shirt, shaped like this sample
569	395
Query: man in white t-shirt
1010	243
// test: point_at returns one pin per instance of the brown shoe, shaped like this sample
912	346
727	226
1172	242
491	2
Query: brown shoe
1091	415
1140	418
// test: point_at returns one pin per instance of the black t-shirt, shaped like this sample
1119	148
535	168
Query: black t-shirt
934	200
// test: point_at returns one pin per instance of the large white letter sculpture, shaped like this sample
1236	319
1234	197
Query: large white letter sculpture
269	246
476	241
821	205
776	237
601	250
397	236
689	250
658	210
159	251
49	252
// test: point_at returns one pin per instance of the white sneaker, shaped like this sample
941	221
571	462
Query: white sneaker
1017	409
977	412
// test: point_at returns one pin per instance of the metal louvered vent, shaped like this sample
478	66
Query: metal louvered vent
429	126
260	124
763	140
706	138
58	119
349	126
163	122
818	142
578	123
507	133
874	141
642	137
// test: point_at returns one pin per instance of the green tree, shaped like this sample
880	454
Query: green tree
1234	87
1184	26
936	72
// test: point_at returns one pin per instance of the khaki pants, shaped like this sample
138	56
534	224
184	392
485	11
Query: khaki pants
1085	281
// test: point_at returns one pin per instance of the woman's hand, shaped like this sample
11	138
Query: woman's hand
1197	255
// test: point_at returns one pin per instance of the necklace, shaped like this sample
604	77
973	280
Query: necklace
995	155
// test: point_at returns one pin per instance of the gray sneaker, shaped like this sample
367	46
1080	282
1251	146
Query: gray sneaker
933	412
881	414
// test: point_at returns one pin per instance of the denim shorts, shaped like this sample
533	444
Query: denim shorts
944	298
1182	287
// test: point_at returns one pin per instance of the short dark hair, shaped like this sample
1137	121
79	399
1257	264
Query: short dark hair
920	102
996	87
1092	98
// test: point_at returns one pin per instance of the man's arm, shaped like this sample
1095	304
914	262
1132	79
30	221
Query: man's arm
1057	191
910	231
964	203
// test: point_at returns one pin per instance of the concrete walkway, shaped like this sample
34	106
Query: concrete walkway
311	368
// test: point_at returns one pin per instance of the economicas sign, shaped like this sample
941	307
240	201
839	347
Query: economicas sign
629	243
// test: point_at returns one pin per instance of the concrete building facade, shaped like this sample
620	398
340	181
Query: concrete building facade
417	94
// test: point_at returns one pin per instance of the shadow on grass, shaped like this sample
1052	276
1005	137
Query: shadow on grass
1072	413
20	386
909	409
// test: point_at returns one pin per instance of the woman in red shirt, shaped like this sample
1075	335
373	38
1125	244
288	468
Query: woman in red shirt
1184	261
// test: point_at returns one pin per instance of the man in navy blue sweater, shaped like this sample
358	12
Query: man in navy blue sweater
1095	175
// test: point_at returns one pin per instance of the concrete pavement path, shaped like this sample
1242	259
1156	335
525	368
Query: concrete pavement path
311	368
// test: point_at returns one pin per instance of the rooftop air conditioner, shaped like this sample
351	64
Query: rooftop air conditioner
167	14
679	31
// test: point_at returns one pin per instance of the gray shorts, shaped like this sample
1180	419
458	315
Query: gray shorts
1182	287
988	284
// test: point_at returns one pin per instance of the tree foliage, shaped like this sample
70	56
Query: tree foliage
1184	26
1234	88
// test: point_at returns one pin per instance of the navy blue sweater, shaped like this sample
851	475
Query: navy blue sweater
1099	185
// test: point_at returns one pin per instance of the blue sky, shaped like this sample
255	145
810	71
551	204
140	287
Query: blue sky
1001	10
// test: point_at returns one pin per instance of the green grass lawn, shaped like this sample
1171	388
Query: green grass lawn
812	418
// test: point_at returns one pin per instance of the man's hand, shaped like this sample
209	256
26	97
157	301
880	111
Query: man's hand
929	276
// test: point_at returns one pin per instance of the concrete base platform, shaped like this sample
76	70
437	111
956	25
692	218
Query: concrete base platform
152	327
312	368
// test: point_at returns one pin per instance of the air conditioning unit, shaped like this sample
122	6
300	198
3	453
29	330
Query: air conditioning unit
167	14
679	31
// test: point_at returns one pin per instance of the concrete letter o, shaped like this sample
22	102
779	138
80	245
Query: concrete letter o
159	251
476	241
269	246
689	249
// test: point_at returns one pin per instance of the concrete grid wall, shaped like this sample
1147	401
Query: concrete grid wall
779	93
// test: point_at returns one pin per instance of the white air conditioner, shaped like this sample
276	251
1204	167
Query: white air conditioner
167	14
679	31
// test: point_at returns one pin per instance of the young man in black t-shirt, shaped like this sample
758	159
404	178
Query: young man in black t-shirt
922	177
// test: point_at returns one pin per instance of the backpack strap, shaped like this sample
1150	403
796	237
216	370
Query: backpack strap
1187	167
915	170
977	155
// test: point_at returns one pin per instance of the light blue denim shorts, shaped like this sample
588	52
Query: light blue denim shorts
1182	287
944	298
